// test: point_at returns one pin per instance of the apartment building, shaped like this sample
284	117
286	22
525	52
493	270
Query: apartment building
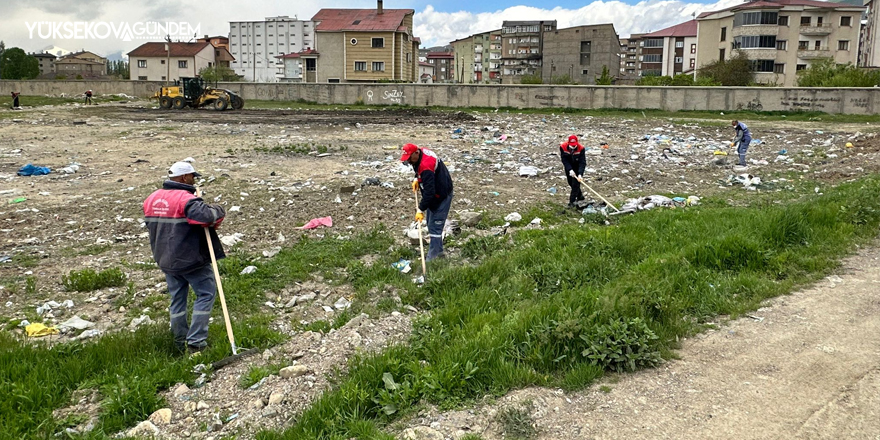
254	45
580	52
170	61
444	63
366	45
869	40
630	51
522	45
426	72
47	63
670	51
780	37
478	58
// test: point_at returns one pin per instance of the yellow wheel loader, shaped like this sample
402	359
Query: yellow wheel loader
195	93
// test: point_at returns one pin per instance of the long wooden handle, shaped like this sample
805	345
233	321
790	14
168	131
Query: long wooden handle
421	239
220	290
597	194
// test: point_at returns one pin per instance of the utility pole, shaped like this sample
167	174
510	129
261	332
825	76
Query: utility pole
168	59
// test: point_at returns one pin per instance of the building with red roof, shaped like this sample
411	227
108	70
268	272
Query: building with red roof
366	45
670	51
780	37
171	61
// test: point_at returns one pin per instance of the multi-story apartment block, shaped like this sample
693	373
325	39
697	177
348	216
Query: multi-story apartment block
443	63
47	63
669	51
780	37
629	59
869	40
522	45
366	45
256	44
478	58
580	52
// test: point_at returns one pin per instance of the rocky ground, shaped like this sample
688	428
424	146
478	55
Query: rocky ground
274	170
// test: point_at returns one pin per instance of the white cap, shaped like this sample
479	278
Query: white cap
182	168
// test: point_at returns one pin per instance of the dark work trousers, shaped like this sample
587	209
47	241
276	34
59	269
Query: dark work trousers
436	219
203	284
576	193
742	149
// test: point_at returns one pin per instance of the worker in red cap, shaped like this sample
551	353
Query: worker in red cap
574	159
433	178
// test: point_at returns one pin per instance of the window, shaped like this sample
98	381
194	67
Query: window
819	21
679	60
754	42
585	72
548	28
752	18
333	80
653	58
762	65
163	77
408	57
720	54
781	45
679	44
843	45
803	45
724	34
378	43
800	67
817	45
693	48
782	21
805	21
846	21
693	62
142	63
586	48
378	66
655	42
779	68
142	78
360	66
162	62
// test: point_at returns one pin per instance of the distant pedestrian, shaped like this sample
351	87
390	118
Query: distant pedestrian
574	160
176	218
15	104
88	95
741	141
433	178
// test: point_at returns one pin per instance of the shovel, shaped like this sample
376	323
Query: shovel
235	354
597	194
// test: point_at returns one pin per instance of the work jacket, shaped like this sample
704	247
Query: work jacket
434	179
573	158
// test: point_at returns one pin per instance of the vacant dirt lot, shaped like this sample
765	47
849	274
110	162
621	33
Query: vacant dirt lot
275	170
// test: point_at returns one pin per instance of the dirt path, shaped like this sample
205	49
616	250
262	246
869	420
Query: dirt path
805	366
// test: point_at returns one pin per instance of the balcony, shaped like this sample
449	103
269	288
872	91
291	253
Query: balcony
478	49
818	29
817	52
478	59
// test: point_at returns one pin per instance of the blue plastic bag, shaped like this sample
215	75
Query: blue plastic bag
33	170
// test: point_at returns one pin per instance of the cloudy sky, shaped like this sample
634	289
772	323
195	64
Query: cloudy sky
36	24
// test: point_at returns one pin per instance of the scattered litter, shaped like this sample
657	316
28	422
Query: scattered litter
342	304
76	323
316	222
419	279
269	253
248	270
402	265
231	240
37	330
33	170
535	221
18	200
70	169
513	217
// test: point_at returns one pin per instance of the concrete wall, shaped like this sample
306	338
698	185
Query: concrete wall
829	100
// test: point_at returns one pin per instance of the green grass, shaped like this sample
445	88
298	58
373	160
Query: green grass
128	369
87	280
560	307
255	374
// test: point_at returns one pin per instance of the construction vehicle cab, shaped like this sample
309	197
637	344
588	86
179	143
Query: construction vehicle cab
195	93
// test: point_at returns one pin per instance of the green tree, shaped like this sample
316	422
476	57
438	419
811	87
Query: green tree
826	73
118	68
218	73
737	71
605	78
16	64
531	79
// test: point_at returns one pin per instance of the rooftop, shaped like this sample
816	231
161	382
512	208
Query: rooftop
336	20
686	29
148	50
779	4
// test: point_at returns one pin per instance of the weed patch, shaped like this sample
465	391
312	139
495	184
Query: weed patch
87	280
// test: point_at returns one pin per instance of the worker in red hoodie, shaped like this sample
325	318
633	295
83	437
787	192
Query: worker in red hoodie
574	159
433	178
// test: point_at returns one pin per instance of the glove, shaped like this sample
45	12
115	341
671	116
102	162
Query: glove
198	192
732	144
420	216
571	173
415	185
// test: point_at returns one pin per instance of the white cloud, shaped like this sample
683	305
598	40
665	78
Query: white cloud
439	28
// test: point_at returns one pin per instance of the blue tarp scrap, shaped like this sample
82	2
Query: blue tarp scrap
33	170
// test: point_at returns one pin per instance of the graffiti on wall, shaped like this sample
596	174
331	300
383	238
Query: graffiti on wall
393	96
807	102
